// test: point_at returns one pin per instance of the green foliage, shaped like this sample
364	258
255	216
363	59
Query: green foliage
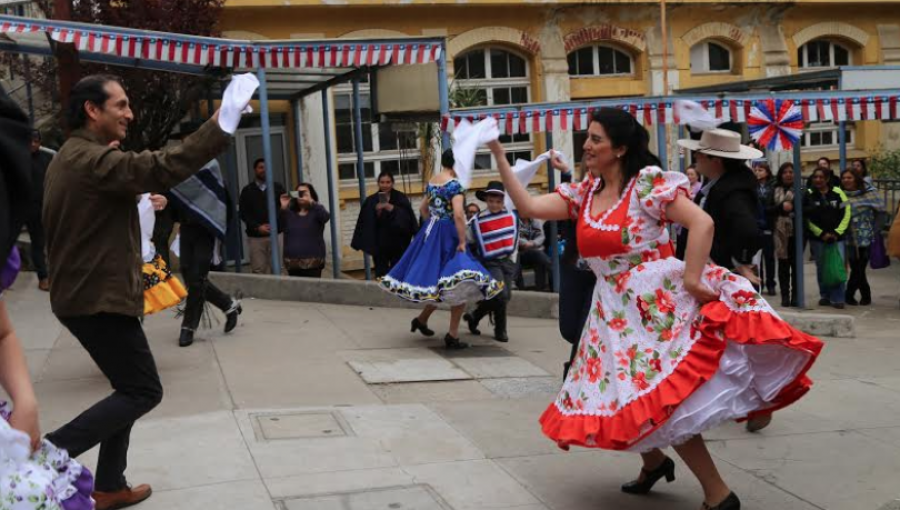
885	164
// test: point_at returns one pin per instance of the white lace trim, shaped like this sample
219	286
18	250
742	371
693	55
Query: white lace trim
589	205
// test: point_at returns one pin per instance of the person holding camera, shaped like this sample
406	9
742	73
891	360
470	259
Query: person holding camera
304	220
385	226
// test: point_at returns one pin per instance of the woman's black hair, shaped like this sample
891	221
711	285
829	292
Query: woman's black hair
768	169
820	169
295	206
857	179
623	130
447	159
90	89
386	173
865	168
779	178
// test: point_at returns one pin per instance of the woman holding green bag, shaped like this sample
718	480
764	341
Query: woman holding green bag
828	218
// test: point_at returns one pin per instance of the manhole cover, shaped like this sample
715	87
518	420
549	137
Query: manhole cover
415	497
272	427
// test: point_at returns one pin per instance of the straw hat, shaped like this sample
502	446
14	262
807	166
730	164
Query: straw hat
721	143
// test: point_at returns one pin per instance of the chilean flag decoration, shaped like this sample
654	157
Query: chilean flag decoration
775	124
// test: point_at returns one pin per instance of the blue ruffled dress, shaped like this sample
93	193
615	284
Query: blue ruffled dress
432	269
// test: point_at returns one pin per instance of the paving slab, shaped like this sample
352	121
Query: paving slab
417	497
587	480
36	359
853	404
179	453
379	366
299	425
248	495
495	368
475	485
861	472
523	387
312	484
427	392
500	428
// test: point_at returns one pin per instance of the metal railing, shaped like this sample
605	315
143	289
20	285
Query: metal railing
890	189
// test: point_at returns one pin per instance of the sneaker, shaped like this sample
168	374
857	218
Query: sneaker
122	498
824	302
839	306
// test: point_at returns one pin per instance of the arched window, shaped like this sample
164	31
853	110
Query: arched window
823	53
600	60
711	57
499	77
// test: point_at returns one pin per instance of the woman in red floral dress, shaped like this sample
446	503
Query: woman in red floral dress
671	348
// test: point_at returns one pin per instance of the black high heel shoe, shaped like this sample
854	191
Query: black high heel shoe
454	344
730	503
416	325
665	470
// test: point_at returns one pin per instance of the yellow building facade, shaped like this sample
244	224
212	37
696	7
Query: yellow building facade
512	51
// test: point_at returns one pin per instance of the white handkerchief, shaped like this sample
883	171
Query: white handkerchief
525	171
236	101
176	246
467	138
695	116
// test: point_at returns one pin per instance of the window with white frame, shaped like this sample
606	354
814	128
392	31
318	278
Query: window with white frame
384	147
600	60
823	53
711	57
825	136
501	77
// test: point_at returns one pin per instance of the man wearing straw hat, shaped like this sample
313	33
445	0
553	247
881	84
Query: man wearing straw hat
729	197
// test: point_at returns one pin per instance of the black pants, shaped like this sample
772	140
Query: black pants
197	245
119	348
306	273
576	294
541	263
858	257
787	274
36	233
162	232
385	260
767	263
503	270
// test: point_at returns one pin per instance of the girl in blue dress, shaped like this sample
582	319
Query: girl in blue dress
436	267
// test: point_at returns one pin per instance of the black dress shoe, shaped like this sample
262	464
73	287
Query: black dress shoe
416	325
730	503
824	302
231	317
852	301
665	470
454	344
501	336
866	301
472	323
785	302
186	339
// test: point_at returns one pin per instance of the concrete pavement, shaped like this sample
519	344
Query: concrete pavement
318	406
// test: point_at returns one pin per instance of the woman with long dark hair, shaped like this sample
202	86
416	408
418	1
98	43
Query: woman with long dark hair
304	220
437	267
866	218
647	373
782	209
385	226
765	187
827	216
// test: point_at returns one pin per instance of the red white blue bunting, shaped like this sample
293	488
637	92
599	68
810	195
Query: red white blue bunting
533	120
234	54
775	124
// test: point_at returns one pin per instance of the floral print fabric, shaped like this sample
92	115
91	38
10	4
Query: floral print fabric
634	365
46	479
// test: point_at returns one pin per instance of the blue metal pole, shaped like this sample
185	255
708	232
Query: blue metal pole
662	143
842	141
444	94
799	230
360	160
554	233
270	181
681	155
298	138
332	191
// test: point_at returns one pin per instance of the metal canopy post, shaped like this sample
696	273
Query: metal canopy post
842	146
444	94
554	226
298	138
270	181
332	192
360	169
798	228
662	143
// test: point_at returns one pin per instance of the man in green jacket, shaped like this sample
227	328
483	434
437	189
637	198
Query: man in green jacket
94	248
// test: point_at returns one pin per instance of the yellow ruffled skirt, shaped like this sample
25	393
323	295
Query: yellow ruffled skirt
162	290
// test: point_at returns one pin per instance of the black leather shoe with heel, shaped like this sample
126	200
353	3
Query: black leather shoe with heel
454	344
665	470
418	326
730	503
